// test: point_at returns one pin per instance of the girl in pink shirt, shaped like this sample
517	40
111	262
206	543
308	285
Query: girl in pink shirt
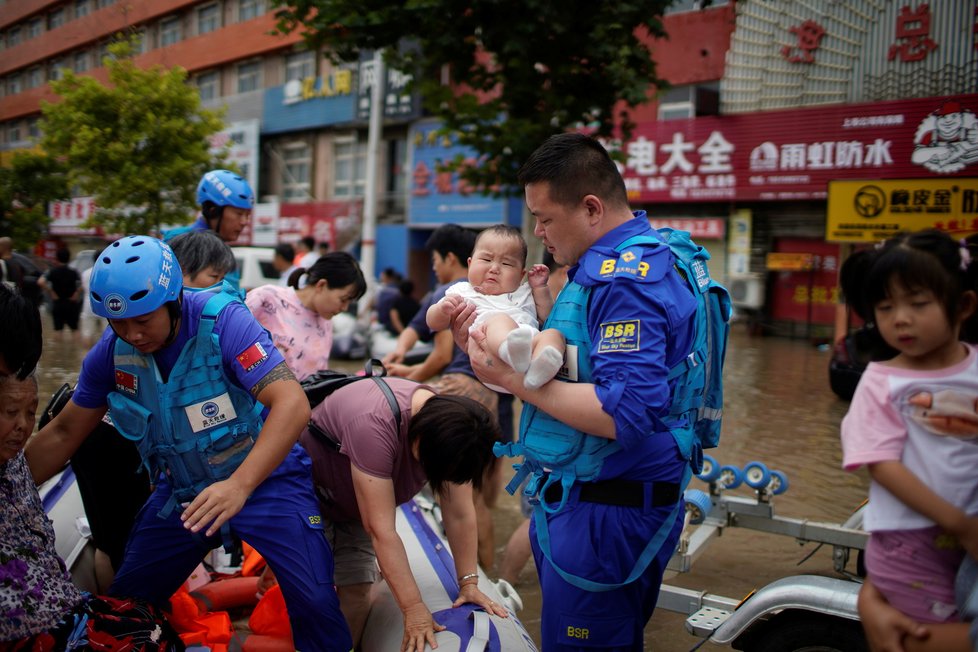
914	418
298	318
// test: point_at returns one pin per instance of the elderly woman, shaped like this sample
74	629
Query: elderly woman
40	609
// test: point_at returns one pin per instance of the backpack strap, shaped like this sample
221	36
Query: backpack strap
327	437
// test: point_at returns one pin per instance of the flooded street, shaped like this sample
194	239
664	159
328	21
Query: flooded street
778	410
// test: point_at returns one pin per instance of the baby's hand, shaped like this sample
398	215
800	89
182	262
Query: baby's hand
449	303
538	276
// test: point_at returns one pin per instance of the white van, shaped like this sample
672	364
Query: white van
255	266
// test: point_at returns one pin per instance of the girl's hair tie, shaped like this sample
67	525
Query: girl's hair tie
965	257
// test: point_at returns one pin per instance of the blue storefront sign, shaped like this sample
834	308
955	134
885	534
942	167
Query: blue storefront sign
310	103
438	196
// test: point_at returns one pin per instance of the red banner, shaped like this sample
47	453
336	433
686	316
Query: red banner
788	155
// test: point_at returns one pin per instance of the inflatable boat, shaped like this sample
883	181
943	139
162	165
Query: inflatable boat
468	628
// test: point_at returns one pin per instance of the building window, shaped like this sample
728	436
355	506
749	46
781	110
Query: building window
82	7
56	69
296	171
209	85
35	77
35	28
13	36
248	9
300	65
56	18
248	76
34	128
13	132
350	167
13	84
208	17
102	4
80	62
101	53
169	31
142	42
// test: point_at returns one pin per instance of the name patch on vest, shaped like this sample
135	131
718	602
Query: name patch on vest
126	382
620	336
210	413
253	356
568	370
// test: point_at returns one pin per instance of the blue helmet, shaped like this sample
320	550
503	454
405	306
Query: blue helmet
225	188
134	276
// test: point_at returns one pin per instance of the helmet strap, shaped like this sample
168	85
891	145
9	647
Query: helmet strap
173	308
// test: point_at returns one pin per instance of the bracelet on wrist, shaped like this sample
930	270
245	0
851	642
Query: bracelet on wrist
470	576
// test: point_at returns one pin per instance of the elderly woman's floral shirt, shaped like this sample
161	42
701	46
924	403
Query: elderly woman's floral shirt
35	589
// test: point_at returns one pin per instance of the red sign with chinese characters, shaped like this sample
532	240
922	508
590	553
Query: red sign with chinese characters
787	155
812	294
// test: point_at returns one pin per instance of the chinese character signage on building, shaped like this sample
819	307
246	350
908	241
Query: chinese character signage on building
786	155
439	195
867	211
805	287
398	102
309	103
68	216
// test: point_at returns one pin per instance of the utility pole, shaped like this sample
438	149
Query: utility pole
368	238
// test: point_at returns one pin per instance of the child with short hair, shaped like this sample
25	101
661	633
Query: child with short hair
914	419
511	310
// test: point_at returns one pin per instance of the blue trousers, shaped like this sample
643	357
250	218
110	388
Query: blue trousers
281	520
602	543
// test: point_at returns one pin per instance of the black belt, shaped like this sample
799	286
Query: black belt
623	493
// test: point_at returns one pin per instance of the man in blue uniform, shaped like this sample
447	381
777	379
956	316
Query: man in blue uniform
226	201
628	319
186	376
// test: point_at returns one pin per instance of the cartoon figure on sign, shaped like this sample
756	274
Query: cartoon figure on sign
947	139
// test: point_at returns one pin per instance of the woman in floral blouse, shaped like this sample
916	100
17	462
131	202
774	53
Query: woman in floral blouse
40	609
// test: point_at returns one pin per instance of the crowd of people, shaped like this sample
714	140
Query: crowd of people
201	384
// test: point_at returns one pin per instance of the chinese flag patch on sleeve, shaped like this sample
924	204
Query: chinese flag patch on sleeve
253	356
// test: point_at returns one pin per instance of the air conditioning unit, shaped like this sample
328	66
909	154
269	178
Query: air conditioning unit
747	291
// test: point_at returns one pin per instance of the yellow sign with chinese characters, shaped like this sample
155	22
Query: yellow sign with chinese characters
869	211
789	262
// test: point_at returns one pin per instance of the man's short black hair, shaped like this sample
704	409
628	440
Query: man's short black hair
574	165
20	332
455	435
285	251
452	239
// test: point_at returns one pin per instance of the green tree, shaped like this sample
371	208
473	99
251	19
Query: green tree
26	186
138	144
521	70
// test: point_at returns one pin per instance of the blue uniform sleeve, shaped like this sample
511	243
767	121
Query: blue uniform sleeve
639	330
97	377
246	348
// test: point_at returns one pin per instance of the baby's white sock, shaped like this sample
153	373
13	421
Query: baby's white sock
543	367
517	347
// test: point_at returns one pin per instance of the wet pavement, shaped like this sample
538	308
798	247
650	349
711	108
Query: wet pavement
778	409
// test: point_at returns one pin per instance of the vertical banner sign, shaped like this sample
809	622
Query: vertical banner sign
738	245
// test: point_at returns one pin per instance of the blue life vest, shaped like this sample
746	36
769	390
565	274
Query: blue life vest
552	451
198	426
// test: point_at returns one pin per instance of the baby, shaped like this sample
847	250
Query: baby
511	310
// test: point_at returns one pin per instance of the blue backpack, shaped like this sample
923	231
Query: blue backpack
698	396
